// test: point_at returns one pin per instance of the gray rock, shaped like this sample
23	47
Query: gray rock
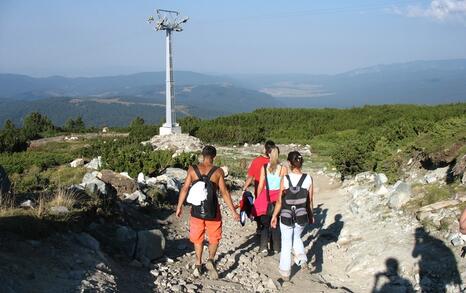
400	195
77	163
439	174
151	244
171	183
225	170
88	177
5	183
271	285
96	186
141	197
141	179
95	163
131	197
126	240
151	181
463	179
457	239
59	210
88	241
365	177
382	178
177	173
28	204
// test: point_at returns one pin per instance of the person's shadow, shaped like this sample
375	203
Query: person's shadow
320	215
325	237
437	264
395	283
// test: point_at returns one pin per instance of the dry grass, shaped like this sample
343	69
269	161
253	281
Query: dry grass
7	201
64	197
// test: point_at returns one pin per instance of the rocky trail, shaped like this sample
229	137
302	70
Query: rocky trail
371	249
358	244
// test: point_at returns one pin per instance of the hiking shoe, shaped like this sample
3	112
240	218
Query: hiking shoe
264	252
285	276
212	269
197	271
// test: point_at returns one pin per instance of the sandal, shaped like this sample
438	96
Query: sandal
212	269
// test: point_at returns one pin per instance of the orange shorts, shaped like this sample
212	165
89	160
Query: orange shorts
198	227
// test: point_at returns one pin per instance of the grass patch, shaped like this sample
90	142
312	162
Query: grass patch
64	197
64	176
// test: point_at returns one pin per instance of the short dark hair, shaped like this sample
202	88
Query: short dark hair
269	145
295	159
209	151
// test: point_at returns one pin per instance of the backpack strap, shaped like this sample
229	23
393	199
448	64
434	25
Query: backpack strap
266	183
301	180
289	181
211	172
198	173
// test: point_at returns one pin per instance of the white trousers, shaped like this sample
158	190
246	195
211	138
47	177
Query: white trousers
291	240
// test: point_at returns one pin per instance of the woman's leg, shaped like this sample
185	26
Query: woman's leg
285	254
276	239
298	246
265	233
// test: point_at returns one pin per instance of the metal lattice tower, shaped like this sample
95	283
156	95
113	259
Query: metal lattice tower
169	21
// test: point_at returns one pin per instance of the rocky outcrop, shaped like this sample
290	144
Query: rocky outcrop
177	143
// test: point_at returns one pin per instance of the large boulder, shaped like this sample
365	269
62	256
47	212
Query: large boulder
121	183
5	183
400	195
150	245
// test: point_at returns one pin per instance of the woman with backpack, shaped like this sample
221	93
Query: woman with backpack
268	192
294	205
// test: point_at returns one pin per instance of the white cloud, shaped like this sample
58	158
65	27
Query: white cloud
438	9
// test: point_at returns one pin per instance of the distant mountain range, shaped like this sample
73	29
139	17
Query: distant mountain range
116	100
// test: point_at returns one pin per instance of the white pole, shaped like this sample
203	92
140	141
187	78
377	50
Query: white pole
169	81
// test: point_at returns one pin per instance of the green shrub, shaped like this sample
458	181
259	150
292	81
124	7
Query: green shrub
35	123
12	139
19	162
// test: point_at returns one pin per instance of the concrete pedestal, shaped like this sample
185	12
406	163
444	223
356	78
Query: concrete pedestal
167	130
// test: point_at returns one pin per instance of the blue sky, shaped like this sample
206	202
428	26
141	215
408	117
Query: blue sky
101	37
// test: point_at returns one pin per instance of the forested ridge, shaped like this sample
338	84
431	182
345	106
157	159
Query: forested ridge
368	138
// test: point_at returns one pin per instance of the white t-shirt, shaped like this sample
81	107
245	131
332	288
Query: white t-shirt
295	179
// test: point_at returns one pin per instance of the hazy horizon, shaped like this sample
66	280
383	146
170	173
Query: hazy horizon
99	38
226	73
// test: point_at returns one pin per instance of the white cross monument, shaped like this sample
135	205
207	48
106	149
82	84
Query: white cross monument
169	22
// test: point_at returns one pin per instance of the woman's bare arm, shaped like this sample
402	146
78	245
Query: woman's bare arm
261	182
